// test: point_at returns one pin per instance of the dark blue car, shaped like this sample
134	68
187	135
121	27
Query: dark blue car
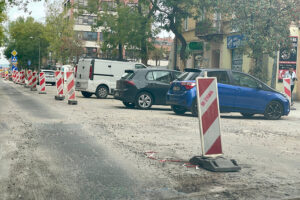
238	92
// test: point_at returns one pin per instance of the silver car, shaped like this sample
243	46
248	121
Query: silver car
50	76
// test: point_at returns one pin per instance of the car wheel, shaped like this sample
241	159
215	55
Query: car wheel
128	105
144	100
247	115
102	92
86	94
194	108
179	110
274	110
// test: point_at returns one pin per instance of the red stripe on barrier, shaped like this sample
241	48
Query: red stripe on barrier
72	96
204	85
210	116
287	91
70	85
216	148
42	81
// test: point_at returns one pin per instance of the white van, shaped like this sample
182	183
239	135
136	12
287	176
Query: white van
97	76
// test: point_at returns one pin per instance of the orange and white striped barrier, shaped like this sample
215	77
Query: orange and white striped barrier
42	83
34	82
29	77
71	88
209	116
22	77
59	86
210	129
287	88
7	76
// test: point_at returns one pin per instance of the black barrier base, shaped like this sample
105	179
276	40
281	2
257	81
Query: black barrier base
59	98
33	89
218	164
72	102
42	92
26	86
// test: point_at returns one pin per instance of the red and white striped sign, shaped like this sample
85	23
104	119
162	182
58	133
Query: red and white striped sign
70	85
59	83
7	76
42	83
287	88
209	116
29	76
22	77
34	80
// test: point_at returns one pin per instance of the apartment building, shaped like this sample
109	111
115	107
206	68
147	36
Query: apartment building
222	51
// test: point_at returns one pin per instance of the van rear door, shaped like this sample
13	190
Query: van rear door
83	74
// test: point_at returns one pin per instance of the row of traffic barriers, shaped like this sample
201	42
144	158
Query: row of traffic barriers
30	80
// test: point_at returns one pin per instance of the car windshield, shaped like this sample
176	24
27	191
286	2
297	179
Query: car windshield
188	76
49	72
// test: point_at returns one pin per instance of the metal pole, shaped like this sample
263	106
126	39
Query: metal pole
39	55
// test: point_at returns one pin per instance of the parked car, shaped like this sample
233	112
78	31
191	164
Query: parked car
238	92
49	76
145	87
99	77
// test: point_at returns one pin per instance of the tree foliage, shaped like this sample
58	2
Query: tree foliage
172	13
63	43
124	25
26	36
265	25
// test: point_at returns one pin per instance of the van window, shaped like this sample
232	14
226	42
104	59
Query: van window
139	66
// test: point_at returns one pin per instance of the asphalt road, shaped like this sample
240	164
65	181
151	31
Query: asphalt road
52	159
99	149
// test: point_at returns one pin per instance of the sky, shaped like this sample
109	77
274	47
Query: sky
35	10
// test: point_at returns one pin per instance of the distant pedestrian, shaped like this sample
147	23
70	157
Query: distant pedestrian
292	75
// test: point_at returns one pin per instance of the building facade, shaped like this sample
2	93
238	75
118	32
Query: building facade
222	51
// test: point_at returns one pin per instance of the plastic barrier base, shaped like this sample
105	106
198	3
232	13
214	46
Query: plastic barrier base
33	89
59	98
218	164
42	92
72	102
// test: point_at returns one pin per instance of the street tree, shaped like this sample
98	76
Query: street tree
64	45
26	37
265	25
157	54
125	25
170	14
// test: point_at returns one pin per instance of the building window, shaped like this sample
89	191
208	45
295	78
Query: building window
186	23
86	20
83	3
87	36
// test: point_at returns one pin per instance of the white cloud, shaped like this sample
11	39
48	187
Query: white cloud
35	10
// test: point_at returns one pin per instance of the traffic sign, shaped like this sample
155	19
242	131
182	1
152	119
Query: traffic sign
14	53
14	60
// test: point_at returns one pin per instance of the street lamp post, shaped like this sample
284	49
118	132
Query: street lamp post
39	69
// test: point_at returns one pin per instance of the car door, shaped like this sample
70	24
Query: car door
250	98
159	83
225	90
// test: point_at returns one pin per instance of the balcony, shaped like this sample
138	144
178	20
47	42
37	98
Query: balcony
208	29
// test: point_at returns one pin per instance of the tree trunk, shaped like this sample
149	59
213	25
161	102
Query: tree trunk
180	37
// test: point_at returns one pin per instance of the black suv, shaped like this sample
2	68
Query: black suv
144	87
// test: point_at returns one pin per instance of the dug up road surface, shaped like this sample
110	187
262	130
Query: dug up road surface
99	149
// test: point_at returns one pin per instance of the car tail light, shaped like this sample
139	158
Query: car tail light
188	85
130	82
75	71
91	72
